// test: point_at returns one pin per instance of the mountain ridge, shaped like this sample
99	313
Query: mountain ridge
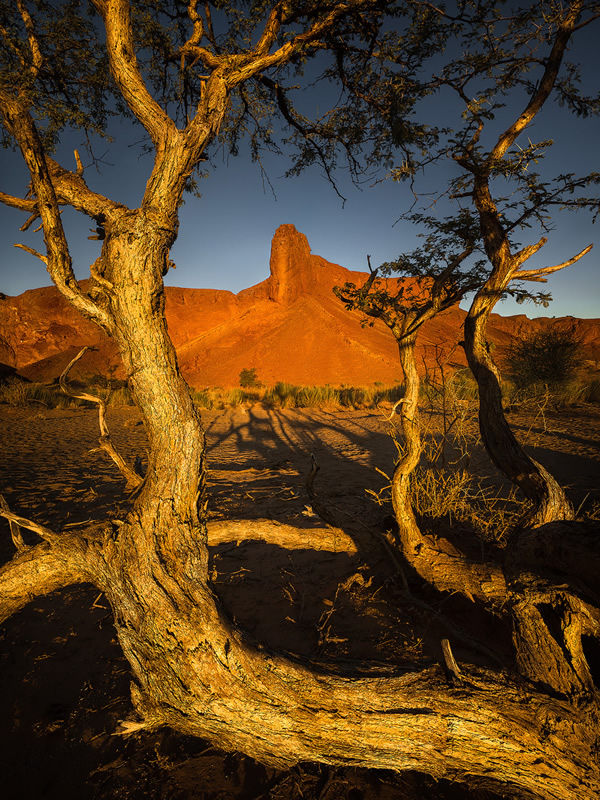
289	327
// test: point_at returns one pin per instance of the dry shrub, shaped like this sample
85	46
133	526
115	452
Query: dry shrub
458	496
545	364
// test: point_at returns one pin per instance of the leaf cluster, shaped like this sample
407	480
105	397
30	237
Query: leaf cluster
350	105
66	75
407	292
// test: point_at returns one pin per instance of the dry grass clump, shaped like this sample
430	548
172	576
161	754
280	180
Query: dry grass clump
19	393
458	497
286	395
218	398
553	398
289	395
446	489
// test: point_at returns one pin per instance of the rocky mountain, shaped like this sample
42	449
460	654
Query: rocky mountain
290	327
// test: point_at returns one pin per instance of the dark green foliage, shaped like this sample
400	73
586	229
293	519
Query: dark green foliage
549	358
249	379
70	85
446	267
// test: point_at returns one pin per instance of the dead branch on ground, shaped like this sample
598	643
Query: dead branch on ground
134	480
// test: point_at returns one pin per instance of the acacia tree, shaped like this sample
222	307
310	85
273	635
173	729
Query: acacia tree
501	217
504	54
189	74
430	280
549	621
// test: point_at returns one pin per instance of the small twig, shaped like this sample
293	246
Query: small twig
78	162
451	665
32	252
26	225
128	726
393	412
15	531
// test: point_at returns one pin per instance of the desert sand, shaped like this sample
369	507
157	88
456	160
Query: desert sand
293	582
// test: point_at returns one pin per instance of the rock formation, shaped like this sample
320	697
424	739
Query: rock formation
290	327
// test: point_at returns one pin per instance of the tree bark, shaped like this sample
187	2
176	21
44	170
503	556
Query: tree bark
549	502
552	574
436	560
196	673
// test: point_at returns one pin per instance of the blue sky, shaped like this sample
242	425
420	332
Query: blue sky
225	236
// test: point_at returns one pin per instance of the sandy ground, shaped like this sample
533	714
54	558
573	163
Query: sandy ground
299	586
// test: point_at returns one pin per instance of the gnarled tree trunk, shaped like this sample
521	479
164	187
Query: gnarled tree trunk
549	502
436	560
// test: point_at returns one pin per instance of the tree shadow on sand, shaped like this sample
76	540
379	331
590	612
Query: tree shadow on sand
331	597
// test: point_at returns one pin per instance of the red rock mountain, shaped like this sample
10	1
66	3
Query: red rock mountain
290	327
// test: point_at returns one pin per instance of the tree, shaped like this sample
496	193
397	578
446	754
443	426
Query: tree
499	194
507	257
432	279
498	179
249	379
189	74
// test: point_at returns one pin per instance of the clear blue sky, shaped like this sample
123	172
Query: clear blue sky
225	236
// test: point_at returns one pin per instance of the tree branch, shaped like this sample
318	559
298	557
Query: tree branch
20	124
257	61
15	531
71	189
32	252
271	29
45	533
565	29
23	204
42	569
134	481
125	70
34	46
538	274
